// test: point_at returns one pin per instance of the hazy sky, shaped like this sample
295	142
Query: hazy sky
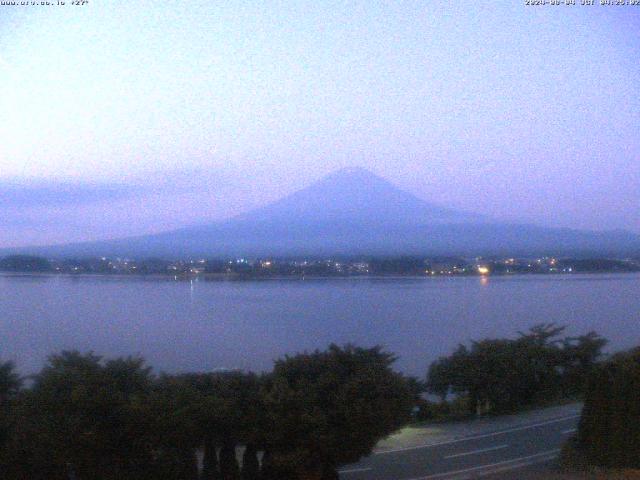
124	117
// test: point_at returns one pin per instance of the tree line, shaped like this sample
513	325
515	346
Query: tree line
505	375
84	417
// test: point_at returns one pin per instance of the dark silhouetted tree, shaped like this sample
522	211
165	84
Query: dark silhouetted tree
84	417
501	375
330	408
609	430
10	383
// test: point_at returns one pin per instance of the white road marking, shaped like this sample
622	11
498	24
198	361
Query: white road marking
354	470
515	462
473	452
571	430
475	437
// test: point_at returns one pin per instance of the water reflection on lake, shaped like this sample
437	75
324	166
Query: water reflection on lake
203	325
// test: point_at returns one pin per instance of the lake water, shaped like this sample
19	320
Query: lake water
204	325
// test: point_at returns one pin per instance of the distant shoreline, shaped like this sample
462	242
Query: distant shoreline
250	278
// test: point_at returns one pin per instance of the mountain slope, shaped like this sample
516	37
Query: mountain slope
354	195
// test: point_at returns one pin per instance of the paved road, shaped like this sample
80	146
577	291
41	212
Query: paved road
469	457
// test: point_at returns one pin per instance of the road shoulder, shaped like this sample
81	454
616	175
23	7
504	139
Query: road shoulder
432	434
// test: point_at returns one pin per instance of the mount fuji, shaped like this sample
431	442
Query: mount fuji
355	212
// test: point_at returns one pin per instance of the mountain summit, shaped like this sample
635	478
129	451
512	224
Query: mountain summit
355	212
354	195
